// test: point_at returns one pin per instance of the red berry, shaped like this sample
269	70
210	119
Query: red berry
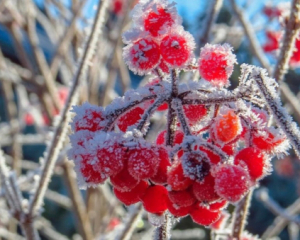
161	138
216	206
155	199
89	173
130	118
213	157
254	160
194	113
134	195
176	178
142	56
161	176
266	140
88	117
178	211
216	63
183	198
273	39
157	21
164	67
123	181
111	158
227	127
204	191
231	182
195	165
143	162
203	216
176	49
219	224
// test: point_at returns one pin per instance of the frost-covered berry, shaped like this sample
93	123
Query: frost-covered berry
110	156
220	223
164	67
182	198
156	22
176	178
216	206
143	162
155	199
176	48
161	175
227	127
203	216
88	117
195	165
216	63
267	140
178	211
130	118
161	138
194	113
89	173
231	182
254	160
205	191
123	181
213	157
134	195
142	56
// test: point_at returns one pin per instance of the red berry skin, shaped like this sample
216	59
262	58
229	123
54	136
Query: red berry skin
123	181
161	138
266	143
88	117
217	206
194	113
178	211
204	191
134	195
213	157
155	199
111	159
216	64
203	216
157	21
183	198
143	162
164	67
175	50
176	178
161	175
219	224
231	182
89	174
130	118
142	56
254	159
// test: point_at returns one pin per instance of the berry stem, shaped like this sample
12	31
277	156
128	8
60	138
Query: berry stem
179	110
240	216
163	232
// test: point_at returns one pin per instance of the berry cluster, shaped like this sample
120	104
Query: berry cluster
217	143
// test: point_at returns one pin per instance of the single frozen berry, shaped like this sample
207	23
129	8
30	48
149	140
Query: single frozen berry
157	21
227	127
204	191
178	211
111	157
130	118
161	138
267	140
203	216
273	41
254	160
231	182
176	178
143	162
194	113
89	173
155	199
134	195
161	175
216	206
182	198
195	165
88	117
176	49
142	56
123	181
216	63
